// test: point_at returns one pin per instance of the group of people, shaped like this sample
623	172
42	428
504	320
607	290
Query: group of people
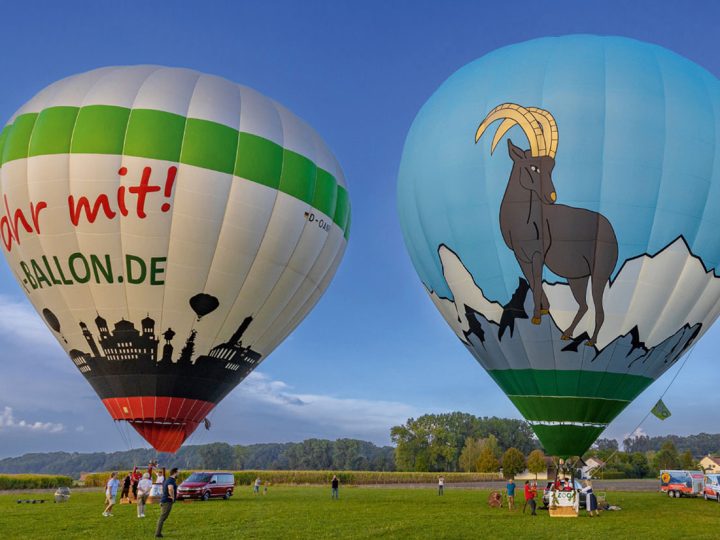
141	491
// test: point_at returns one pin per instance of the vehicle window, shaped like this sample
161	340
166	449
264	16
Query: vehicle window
229	478
213	479
198	477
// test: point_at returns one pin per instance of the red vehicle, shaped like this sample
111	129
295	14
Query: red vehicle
203	485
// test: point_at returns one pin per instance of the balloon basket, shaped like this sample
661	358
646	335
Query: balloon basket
563	511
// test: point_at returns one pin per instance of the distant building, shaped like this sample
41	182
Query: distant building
710	464
547	474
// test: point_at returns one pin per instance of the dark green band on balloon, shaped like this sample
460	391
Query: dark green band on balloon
575	383
566	440
568	409
105	129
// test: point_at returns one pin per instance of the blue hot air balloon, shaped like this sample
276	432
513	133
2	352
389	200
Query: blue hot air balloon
560	200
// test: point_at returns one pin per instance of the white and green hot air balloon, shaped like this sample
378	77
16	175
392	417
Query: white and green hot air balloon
172	228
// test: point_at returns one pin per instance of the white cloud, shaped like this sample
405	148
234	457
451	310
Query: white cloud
359	416
20	322
8	421
639	432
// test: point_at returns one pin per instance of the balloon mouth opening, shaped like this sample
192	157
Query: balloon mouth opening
164	437
164	422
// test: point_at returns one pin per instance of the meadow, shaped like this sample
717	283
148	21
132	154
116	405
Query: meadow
362	512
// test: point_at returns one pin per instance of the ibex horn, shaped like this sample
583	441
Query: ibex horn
515	114
549	127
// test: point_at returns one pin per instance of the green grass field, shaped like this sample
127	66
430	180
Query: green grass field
308	512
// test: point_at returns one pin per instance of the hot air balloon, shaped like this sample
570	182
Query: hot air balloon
559	201
137	198
202	304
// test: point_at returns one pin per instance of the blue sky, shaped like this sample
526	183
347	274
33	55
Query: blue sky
374	351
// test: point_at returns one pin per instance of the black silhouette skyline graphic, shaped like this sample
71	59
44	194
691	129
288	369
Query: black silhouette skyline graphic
125	361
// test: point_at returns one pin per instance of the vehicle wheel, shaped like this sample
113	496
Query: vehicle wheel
206	496
228	494
671	494
718	497
705	496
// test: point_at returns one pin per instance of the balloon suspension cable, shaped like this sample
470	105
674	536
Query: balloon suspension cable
194	434
123	434
687	357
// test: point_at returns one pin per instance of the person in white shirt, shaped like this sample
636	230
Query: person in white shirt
110	493
143	489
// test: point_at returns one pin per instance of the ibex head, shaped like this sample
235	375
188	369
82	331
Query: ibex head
535	165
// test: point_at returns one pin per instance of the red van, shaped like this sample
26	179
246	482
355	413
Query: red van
203	485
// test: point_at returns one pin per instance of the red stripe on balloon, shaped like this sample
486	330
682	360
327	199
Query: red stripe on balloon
173	419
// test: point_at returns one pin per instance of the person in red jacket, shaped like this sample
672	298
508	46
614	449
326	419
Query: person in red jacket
530	493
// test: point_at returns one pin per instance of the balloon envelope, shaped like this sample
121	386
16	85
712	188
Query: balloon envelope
576	262
133	196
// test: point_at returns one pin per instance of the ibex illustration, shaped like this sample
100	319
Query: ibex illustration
575	243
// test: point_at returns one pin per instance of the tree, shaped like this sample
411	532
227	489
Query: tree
513	462
487	462
536	462
217	456
471	454
433	442
686	460
606	444
639	466
473	449
667	457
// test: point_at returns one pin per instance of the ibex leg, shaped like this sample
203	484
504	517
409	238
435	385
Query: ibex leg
598	288
537	267
579	290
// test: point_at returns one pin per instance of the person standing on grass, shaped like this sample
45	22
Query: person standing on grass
335	487
511	494
143	492
591	504
530	493
441	484
166	503
111	489
126	488
531	500
256	486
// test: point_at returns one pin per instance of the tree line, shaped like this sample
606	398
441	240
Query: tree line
430	443
460	442
633	463
311	454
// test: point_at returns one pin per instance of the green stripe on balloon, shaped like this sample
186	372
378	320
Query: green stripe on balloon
210	145
567	440
297	177
259	160
155	135
99	129
18	139
106	129
550	382
568	409
52	133
325	198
